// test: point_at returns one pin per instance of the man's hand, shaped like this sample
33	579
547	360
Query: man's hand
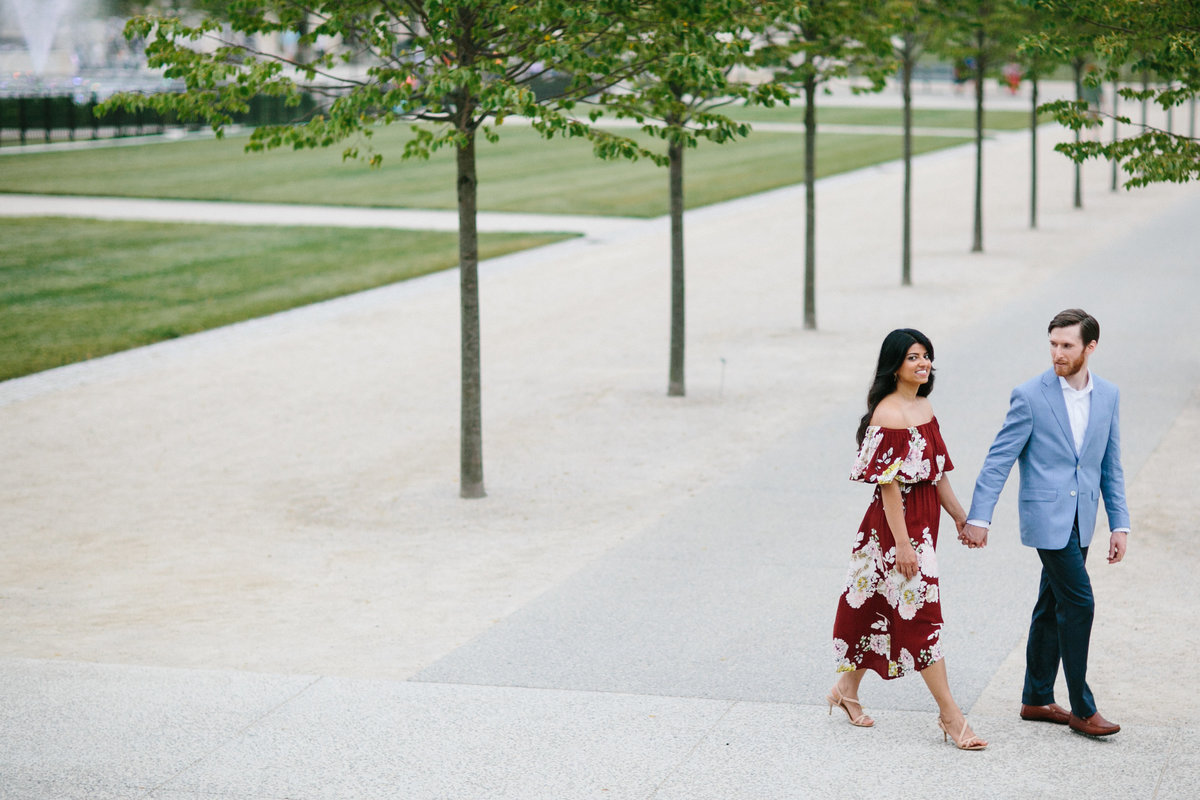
973	536
1116	546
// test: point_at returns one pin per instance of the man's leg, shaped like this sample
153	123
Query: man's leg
1041	650
1074	608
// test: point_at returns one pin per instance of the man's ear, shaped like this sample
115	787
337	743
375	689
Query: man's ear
1091	347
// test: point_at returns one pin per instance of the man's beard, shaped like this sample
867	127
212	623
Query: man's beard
1072	367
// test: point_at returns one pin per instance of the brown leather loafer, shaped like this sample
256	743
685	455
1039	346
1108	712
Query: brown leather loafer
1051	713
1095	725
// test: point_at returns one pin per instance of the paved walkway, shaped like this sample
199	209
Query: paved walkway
24	205
234	565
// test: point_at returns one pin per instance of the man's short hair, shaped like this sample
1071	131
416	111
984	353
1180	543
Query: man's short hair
1089	328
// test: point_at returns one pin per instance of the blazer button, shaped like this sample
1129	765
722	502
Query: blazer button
1072	493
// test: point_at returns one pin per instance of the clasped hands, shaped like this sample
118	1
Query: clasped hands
972	536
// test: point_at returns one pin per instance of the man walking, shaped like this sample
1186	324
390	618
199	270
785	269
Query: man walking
1062	428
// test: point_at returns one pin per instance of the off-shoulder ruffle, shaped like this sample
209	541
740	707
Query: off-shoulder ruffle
903	455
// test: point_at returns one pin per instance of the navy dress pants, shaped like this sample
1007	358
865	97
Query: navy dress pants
1061	629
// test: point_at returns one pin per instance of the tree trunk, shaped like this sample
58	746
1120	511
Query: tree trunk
1170	111
906	235
471	431
1077	66
810	202
977	242
1145	102
1115	162
675	381
1033	175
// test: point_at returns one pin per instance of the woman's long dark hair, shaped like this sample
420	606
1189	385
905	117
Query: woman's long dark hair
891	357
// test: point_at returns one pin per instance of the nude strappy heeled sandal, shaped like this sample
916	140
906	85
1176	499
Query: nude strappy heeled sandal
834	698
971	742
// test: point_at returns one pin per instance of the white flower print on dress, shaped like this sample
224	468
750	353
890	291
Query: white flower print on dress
891	588
840	648
880	643
909	593
915	466
935	652
907	664
931	593
927	561
860	579
888	474
908	467
866	453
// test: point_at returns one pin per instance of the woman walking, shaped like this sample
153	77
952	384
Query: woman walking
889	617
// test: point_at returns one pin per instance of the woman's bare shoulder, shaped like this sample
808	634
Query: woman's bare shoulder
894	413
888	415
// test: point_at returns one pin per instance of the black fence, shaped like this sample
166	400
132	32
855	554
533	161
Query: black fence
53	118
44	118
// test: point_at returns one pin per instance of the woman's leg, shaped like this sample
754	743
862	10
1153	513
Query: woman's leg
846	689
939	686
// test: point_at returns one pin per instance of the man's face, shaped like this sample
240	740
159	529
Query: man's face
1067	351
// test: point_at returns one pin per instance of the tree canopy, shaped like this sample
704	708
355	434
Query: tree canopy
452	69
1159	38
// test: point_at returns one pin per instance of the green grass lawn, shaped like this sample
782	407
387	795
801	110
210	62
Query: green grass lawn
77	289
520	173
922	117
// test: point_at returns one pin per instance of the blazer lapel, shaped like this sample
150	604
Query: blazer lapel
1099	414
1052	389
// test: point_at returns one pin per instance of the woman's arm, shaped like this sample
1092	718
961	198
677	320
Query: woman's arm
893	509
949	501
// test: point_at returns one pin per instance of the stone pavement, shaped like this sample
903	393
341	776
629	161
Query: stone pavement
234	565
25	205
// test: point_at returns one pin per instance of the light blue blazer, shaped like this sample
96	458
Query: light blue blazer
1057	483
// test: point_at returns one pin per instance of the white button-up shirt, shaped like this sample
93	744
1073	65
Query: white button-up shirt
1079	409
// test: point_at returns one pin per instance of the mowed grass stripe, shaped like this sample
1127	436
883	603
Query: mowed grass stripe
521	173
888	117
77	289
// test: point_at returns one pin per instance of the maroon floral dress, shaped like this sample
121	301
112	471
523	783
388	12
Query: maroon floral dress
886	622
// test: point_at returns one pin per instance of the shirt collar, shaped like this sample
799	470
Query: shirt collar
1069	388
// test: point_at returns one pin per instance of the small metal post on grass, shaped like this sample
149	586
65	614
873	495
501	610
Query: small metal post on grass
21	118
47	116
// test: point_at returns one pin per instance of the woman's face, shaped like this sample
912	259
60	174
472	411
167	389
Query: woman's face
916	366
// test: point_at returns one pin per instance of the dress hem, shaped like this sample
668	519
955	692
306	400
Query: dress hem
892	677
